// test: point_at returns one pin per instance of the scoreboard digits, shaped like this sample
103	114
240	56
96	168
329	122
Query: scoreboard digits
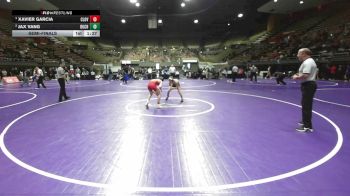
56	23
84	19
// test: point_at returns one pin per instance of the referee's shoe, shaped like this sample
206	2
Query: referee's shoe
304	129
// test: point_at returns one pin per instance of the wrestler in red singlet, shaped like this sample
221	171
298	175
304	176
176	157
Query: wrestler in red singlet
154	87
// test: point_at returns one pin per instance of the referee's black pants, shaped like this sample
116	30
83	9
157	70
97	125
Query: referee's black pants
253	75
39	81
62	83
280	78
308	90
234	76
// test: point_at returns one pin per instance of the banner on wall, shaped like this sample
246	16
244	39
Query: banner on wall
10	80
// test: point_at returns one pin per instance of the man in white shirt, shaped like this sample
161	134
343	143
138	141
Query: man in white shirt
61	78
172	70
307	74
40	77
149	73
253	73
234	73
92	73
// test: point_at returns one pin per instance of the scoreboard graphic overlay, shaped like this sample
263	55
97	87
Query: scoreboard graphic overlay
56	23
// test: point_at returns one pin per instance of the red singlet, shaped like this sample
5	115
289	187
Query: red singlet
152	85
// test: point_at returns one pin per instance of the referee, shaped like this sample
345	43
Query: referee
61	77
307	74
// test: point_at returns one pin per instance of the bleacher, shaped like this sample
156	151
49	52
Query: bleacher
327	34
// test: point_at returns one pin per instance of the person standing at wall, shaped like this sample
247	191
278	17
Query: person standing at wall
234	73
